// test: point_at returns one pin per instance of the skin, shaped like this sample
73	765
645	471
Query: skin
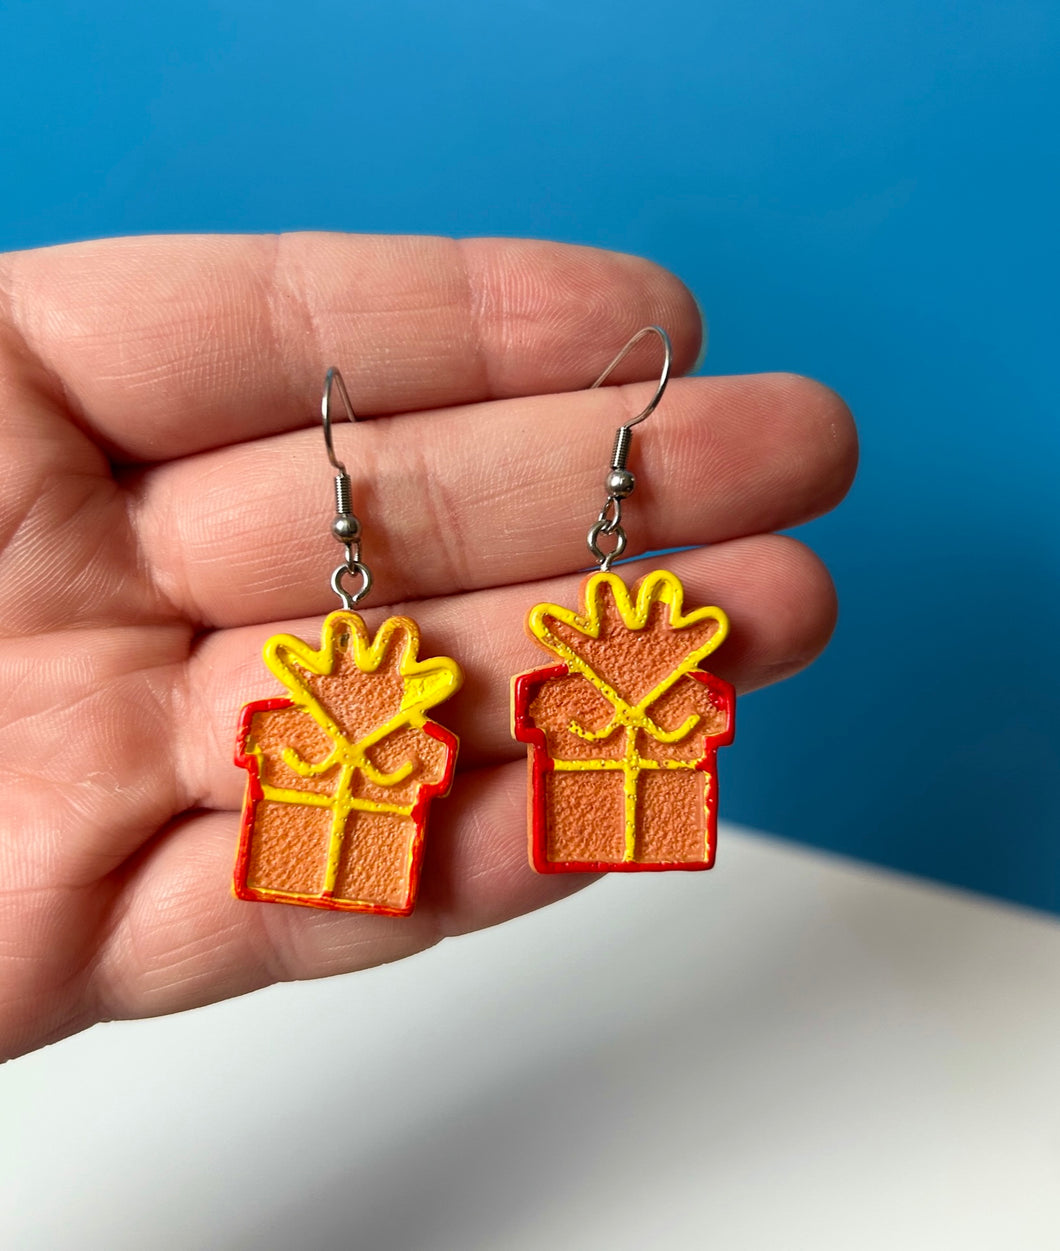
164	508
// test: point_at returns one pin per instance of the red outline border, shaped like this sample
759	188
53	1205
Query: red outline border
523	729
431	790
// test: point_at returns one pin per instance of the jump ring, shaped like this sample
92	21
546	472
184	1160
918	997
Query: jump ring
603	558
355	569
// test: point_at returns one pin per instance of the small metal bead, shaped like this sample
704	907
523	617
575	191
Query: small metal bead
620	483
346	528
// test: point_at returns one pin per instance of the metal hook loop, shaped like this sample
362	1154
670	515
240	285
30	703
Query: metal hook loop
664	377
334	378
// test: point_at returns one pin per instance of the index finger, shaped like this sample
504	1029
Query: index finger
171	345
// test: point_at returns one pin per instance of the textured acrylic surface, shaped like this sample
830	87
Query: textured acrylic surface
341	774
624	731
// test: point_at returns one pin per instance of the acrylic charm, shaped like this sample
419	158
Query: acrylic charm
624	729
624	726
342	770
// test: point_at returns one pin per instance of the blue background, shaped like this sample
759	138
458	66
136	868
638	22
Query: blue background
865	192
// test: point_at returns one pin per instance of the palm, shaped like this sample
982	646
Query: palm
164	509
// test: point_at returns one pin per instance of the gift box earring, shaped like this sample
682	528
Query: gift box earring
624	725
342	770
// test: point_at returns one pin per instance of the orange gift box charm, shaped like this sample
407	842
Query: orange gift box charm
341	773
624	732
624	726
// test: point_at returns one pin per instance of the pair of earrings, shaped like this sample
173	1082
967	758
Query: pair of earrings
622	727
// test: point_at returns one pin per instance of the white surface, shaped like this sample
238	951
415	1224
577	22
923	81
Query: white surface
786	1053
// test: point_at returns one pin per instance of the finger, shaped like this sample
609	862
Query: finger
88	723
500	493
166	346
177	938
778	596
68	552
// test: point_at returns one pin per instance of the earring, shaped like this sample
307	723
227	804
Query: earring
341	772
623	727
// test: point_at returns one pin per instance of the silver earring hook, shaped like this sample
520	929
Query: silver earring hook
664	377
620	482
334	378
346	527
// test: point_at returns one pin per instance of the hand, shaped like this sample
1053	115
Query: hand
165	507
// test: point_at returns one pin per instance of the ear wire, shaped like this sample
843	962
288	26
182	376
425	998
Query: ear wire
346	527
620	482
